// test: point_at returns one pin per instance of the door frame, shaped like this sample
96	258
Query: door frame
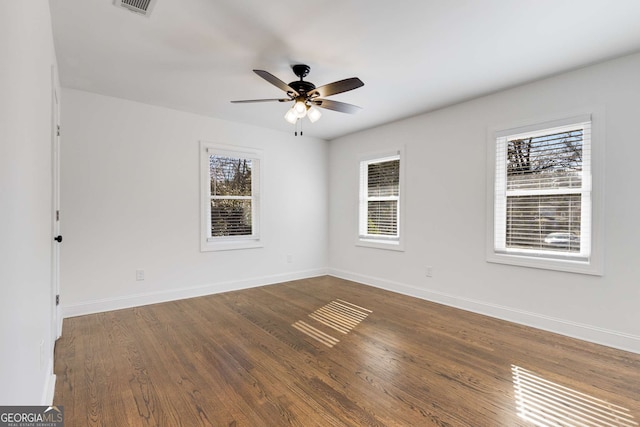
55	215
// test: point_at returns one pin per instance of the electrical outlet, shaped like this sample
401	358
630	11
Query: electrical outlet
429	271
289	258
139	275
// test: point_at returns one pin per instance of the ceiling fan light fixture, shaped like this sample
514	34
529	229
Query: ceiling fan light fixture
291	116
306	97
314	114
300	109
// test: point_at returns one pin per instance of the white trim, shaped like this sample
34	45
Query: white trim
391	245
221	245
229	150
55	206
117	303
535	126
49	387
582	331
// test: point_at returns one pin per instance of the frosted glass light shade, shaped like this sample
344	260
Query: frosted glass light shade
291	116
314	114
300	108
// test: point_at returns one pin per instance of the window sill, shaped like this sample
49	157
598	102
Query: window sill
380	244
570	266
208	246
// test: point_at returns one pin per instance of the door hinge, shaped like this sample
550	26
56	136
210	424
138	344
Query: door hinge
58	299
57	215
58	130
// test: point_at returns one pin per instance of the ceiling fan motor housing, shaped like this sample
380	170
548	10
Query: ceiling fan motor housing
302	87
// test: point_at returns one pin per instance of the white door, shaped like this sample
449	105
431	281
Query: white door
57	237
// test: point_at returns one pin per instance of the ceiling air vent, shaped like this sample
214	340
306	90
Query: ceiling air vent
141	7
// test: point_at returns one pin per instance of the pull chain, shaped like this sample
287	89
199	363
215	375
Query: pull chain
296	131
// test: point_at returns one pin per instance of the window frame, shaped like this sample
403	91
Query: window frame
223	243
590	261
372	241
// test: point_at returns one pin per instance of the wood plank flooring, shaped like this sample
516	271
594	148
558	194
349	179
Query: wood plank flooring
235	359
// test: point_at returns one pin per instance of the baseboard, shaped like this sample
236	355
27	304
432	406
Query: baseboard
49	386
128	301
594	334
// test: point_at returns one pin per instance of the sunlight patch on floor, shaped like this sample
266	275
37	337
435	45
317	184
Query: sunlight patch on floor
339	315
547	404
316	334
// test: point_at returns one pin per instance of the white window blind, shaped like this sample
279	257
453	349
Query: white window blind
543	191
380	199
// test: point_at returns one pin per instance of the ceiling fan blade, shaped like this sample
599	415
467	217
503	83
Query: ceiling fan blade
246	101
342	107
337	87
275	81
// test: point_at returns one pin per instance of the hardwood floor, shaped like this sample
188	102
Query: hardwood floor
235	359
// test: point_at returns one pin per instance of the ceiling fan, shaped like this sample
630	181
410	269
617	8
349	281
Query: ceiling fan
306	96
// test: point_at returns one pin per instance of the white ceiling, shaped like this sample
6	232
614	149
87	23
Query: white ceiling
413	55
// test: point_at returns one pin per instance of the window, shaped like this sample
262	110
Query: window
231	197
542	204
380	207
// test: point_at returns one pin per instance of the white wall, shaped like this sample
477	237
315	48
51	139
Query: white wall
26	58
446	210
131	200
